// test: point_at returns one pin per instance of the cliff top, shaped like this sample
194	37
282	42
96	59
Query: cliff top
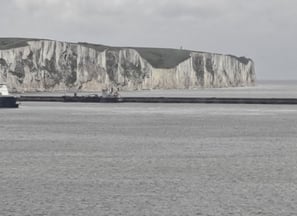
157	57
10	43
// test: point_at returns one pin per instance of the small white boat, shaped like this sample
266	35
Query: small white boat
3	90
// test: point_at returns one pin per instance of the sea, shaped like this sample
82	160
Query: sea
151	159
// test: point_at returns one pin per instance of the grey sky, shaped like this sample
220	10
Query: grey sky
264	30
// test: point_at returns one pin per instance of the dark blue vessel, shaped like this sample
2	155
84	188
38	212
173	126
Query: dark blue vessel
7	101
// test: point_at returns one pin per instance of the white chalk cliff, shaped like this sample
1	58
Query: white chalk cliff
42	65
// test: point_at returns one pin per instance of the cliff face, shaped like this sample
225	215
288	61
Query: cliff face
41	65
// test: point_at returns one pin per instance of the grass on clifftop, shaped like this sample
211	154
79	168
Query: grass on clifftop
10	43
157	57
163	58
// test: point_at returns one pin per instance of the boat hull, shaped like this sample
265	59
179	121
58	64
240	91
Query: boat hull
8	102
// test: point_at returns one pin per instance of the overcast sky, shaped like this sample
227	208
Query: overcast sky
264	30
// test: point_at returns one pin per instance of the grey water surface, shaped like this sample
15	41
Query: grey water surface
148	159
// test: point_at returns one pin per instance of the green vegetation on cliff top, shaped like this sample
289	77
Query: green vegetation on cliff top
157	57
10	43
163	58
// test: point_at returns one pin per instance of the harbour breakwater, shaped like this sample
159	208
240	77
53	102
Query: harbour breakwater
201	100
